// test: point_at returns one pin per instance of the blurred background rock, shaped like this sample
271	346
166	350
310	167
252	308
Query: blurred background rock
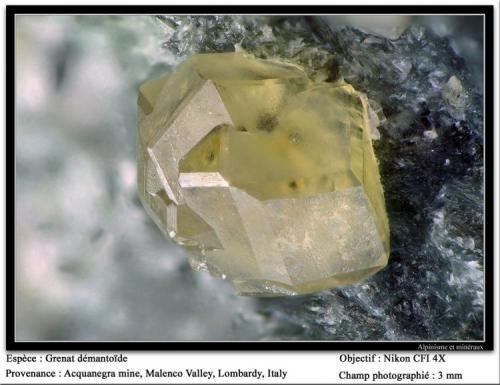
91	265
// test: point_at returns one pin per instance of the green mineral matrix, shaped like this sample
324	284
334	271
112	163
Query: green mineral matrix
266	177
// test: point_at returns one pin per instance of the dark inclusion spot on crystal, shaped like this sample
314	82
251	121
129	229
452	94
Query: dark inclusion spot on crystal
211	156
294	137
241	128
292	184
267	122
323	180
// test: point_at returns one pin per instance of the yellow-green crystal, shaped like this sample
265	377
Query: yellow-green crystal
266	177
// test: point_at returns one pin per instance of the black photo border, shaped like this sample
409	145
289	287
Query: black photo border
432	346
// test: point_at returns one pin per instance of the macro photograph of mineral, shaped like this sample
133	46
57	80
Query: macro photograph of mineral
249	177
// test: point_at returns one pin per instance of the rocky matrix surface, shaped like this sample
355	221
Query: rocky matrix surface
110	266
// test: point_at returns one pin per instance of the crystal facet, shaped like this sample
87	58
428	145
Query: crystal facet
266	177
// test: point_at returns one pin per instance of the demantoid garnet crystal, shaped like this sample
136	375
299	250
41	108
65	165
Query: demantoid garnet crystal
265	176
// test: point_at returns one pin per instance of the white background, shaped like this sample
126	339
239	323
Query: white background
301	367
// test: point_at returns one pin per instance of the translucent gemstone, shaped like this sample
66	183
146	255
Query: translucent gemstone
266	177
